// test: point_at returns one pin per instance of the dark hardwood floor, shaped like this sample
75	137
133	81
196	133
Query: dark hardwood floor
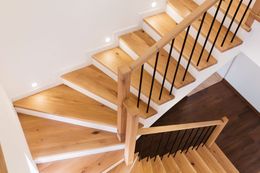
240	139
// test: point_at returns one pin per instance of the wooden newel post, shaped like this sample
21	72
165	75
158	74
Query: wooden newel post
254	14
124	79
131	133
217	132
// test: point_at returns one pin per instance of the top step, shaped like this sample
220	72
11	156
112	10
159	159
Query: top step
185	7
162	23
91	80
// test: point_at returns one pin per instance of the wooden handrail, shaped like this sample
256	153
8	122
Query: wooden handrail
254	14
174	33
170	128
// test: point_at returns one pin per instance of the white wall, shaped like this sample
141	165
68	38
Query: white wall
244	73
41	39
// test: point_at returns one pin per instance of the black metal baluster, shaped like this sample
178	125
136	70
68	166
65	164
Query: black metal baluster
165	146
204	136
173	144
140	85
211	131
210	29
241	21
154	72
231	23
180	143
187	141
158	148
150	146
220	27
178	64
141	147
193	48
166	69
193	139
197	140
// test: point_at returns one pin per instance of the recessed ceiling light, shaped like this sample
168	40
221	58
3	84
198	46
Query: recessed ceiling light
108	39
154	4
34	84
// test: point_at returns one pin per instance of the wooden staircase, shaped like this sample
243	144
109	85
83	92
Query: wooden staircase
78	125
203	160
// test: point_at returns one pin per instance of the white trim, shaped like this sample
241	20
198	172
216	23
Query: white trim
95	125
75	154
113	166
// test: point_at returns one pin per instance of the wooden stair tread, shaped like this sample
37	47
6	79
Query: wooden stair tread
147	166
232	10
184	163
87	164
97	82
48	137
65	102
170	165
157	165
138	167
3	168
197	162
121	168
116	57
191	6
210	160
222	159
139	42
162	23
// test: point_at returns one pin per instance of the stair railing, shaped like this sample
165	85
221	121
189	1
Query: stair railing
125	72
170	139
254	14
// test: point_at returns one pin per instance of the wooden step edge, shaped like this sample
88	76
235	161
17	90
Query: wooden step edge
214	165
76	154
157	165
227	45
147	166
222	159
184	163
149	65
197	162
91	163
69	120
170	164
3	167
202	66
134	88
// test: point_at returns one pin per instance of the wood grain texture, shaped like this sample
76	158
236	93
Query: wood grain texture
3	168
139	42
121	168
170	165
95	81
158	165
88	164
232	10
190	5
211	161
222	159
197	162
116	57
147	166
239	139
162	23
66	102
184	163
47	137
